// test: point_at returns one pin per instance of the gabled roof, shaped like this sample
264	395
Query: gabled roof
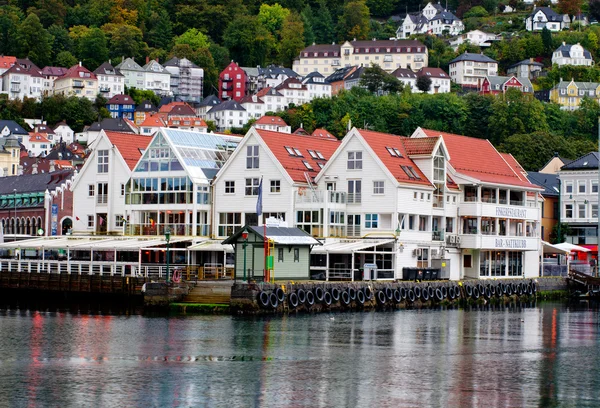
130	65
420	146
227	105
356	74
268	91
340	74
551	15
565	50
548	181
379	142
32	183
528	61
63	152
54	71
404	73
301	131
24	67
210	100
154	66
479	159
129	145
468	56
280	235
121	100
321	49
152	121
38	138
270	120
174	62
13	127
182	110
107	69
251	99
293	164
586	162
286	84
78	72
7	61
110	124
61	123
323	133
432	72
167	107
274	71
146	106
44	129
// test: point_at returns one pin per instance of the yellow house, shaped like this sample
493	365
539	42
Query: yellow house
77	81
569	94
9	156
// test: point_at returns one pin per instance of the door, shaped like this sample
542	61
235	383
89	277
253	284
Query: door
354	191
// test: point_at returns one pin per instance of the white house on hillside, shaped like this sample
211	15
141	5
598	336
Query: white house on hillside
545	17
569	54
434	19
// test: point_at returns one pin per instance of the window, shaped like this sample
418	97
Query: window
449	225
569	188
569	211
298	153
119	220
252	161
102	196
90	223
230	187
594	186
102	161
122	189
252	186
296	254
423	222
307	165
467	261
415	195
371	220
91	190
594	210
581	210
229	223
354	160
378	187
313	154
354	191
275	186
290	151
581	187
279	254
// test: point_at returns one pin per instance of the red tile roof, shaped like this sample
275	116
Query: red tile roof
418	146
167	107
324	133
379	142
301	131
38	138
6	61
479	159
129	145
78	72
270	120
152	121
294	165
121	99
184	122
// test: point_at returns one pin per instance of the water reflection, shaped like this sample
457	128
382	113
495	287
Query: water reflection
497	356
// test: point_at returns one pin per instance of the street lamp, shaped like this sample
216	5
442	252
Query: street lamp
245	242
15	207
168	239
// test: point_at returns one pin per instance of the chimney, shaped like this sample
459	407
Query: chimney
147	59
52	167
80	63
531	60
20	170
34	168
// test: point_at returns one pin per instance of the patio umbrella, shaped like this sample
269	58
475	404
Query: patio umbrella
571	247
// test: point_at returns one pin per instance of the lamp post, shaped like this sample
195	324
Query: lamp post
168	239
15	208
244	244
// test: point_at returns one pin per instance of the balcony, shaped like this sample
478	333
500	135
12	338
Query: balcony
227	79
308	196
516	211
102	199
437	235
78	84
15	89
160	229
104	89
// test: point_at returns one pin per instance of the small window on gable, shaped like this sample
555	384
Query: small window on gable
307	165
298	153
290	151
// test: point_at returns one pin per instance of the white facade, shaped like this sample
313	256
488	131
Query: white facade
434	19
157	79
474	37
317	87
37	145
228	115
19	83
254	106
110	84
568	54
471	69
545	17
65	132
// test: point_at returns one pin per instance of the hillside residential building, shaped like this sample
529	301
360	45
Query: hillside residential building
227	115
294	92
90	133
528	68
50	74
475	37
579	201
207	103
272	123
545	17
151	125
317	86
255	106
337	80
9	155
110	81
191	123
77	81
569	94
6	61
500	84
10	127
157	79
99	188
549	208
186	80
470	69
143	110
232	82
440	80
388	54
433	19
121	106
133	72
23	80
572	54
274	100
353	79
170	186
408	78
37	144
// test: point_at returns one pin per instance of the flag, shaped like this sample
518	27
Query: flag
77	218
101	221
259	201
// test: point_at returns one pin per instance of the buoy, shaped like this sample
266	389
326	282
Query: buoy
310	297
368	293
360	296
301	296
293	300
263	299
345	297
319	294
438	294
397	296
335	294
273	300
327	298
410	295
280	294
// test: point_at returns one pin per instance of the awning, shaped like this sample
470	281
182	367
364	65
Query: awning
345	247
89	243
571	247
212	245
548	248
591	247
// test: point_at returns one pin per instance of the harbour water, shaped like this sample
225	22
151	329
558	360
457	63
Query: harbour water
517	356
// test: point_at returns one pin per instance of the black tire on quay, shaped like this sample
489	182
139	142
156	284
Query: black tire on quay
529	290
389	293
410	295
310	298
293	300
417	292
513	287
469	290
451	292
280	294
327	298
534	287
345	296
509	290
444	292
381	298
492	289
439	295
425	295
475	293
487	293
481	289
273	300
403	293
457	292
301	296
519	289
397	296
263	299
352	293
319	293
431	292
360	296
335	294
368	293
503	288
499	291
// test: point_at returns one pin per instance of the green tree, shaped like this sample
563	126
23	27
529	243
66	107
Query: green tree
9	26
424	84
161	33
248	41
292	39
533	150
476	11
194	38
65	59
93	49
570	7
547	41
376	80
307	21
50	12
322	25
61	40
124	40
354	22
273	18
34	41
381	8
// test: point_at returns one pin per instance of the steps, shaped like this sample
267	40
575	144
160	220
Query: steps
218	293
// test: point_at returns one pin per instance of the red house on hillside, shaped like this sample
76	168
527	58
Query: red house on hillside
232	83
500	84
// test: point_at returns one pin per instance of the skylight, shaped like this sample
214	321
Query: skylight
298	153
307	165
312	154
321	155
290	151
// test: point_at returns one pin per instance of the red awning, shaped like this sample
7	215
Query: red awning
593	248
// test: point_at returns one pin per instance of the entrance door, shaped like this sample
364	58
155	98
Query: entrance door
101	223
354	225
